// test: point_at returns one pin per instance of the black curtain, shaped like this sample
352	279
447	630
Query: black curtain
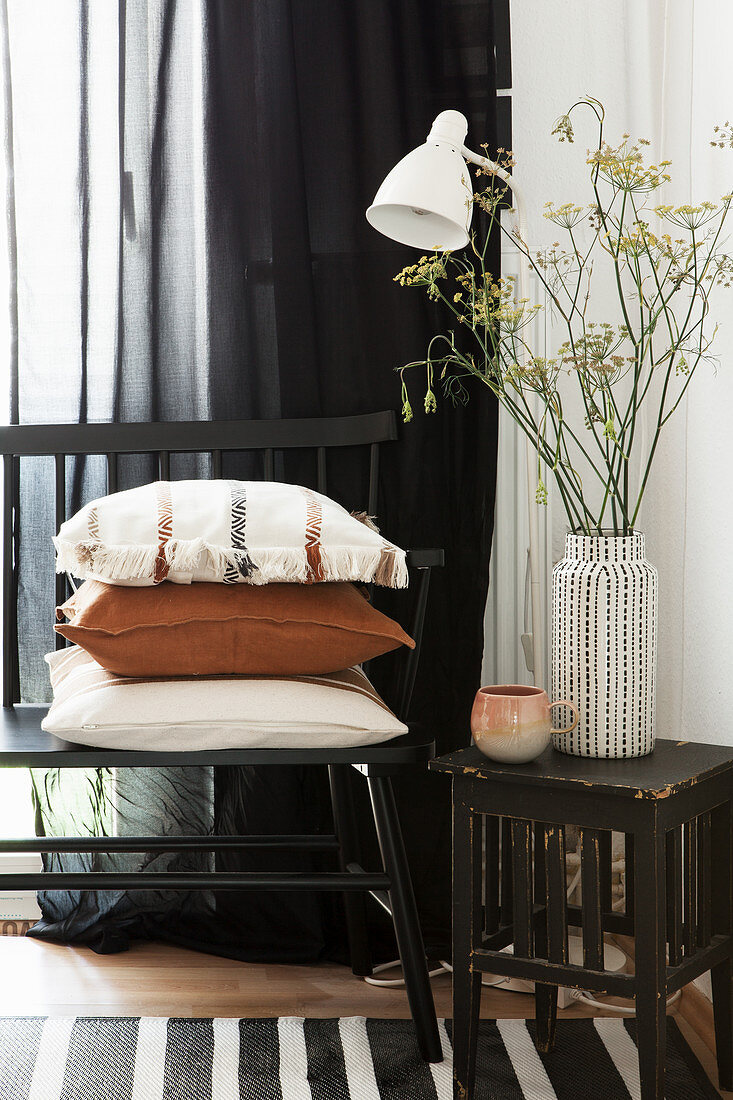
210	258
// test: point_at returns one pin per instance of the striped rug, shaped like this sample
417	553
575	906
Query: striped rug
99	1058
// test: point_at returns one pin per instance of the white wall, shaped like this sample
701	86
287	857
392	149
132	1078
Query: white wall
662	71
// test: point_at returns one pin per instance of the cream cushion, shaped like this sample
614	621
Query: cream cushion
94	707
226	531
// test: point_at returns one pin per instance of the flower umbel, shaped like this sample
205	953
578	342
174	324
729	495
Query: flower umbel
425	272
624	168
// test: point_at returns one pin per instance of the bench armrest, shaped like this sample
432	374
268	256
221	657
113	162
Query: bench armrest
425	559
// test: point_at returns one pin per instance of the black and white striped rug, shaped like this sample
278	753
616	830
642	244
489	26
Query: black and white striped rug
150	1058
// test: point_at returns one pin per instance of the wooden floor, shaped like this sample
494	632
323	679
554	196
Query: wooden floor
154	979
159	980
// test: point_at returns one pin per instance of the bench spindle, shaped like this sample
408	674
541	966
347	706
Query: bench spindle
373	478
60	515
322	481
164	466
111	473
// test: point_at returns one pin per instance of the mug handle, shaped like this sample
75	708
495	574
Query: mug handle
574	709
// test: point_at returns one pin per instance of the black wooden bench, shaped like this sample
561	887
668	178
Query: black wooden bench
24	744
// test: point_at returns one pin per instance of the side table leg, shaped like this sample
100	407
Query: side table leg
650	944
545	1002
720	976
722	924
466	934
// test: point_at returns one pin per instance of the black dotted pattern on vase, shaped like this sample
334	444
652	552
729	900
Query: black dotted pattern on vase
604	644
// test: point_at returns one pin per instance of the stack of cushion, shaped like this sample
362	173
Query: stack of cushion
220	614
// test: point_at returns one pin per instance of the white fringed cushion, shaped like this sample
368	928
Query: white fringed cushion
228	531
94	707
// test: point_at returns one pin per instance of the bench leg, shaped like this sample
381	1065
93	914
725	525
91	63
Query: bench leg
342	802
404	914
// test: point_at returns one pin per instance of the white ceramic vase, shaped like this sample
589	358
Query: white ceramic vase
604	645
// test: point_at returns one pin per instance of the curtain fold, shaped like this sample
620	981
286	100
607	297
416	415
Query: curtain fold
190	185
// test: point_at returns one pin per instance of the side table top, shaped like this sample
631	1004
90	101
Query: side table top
673	766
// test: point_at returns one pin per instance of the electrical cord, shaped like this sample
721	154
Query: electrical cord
386	982
443	968
497	980
585	998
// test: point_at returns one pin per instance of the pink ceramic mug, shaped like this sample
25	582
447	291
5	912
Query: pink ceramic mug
511	722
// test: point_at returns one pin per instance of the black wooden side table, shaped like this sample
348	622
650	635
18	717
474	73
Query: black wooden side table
509	887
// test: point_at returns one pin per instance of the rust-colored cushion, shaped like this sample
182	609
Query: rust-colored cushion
207	629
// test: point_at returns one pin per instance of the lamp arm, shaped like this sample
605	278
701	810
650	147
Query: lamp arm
496	170
538	647
484	162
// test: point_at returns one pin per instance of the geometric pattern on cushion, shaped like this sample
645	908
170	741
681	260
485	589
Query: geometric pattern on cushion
254	532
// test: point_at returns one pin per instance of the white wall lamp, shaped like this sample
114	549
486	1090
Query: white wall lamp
426	201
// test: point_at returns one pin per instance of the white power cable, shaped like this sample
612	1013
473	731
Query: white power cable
443	968
582	995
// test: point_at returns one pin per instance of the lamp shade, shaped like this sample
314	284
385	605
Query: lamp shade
426	200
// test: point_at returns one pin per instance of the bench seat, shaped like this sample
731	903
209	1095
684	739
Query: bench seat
23	744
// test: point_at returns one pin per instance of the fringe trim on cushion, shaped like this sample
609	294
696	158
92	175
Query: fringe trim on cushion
187	556
365	564
388	568
161	567
315	565
367	520
117	563
383	565
338	563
